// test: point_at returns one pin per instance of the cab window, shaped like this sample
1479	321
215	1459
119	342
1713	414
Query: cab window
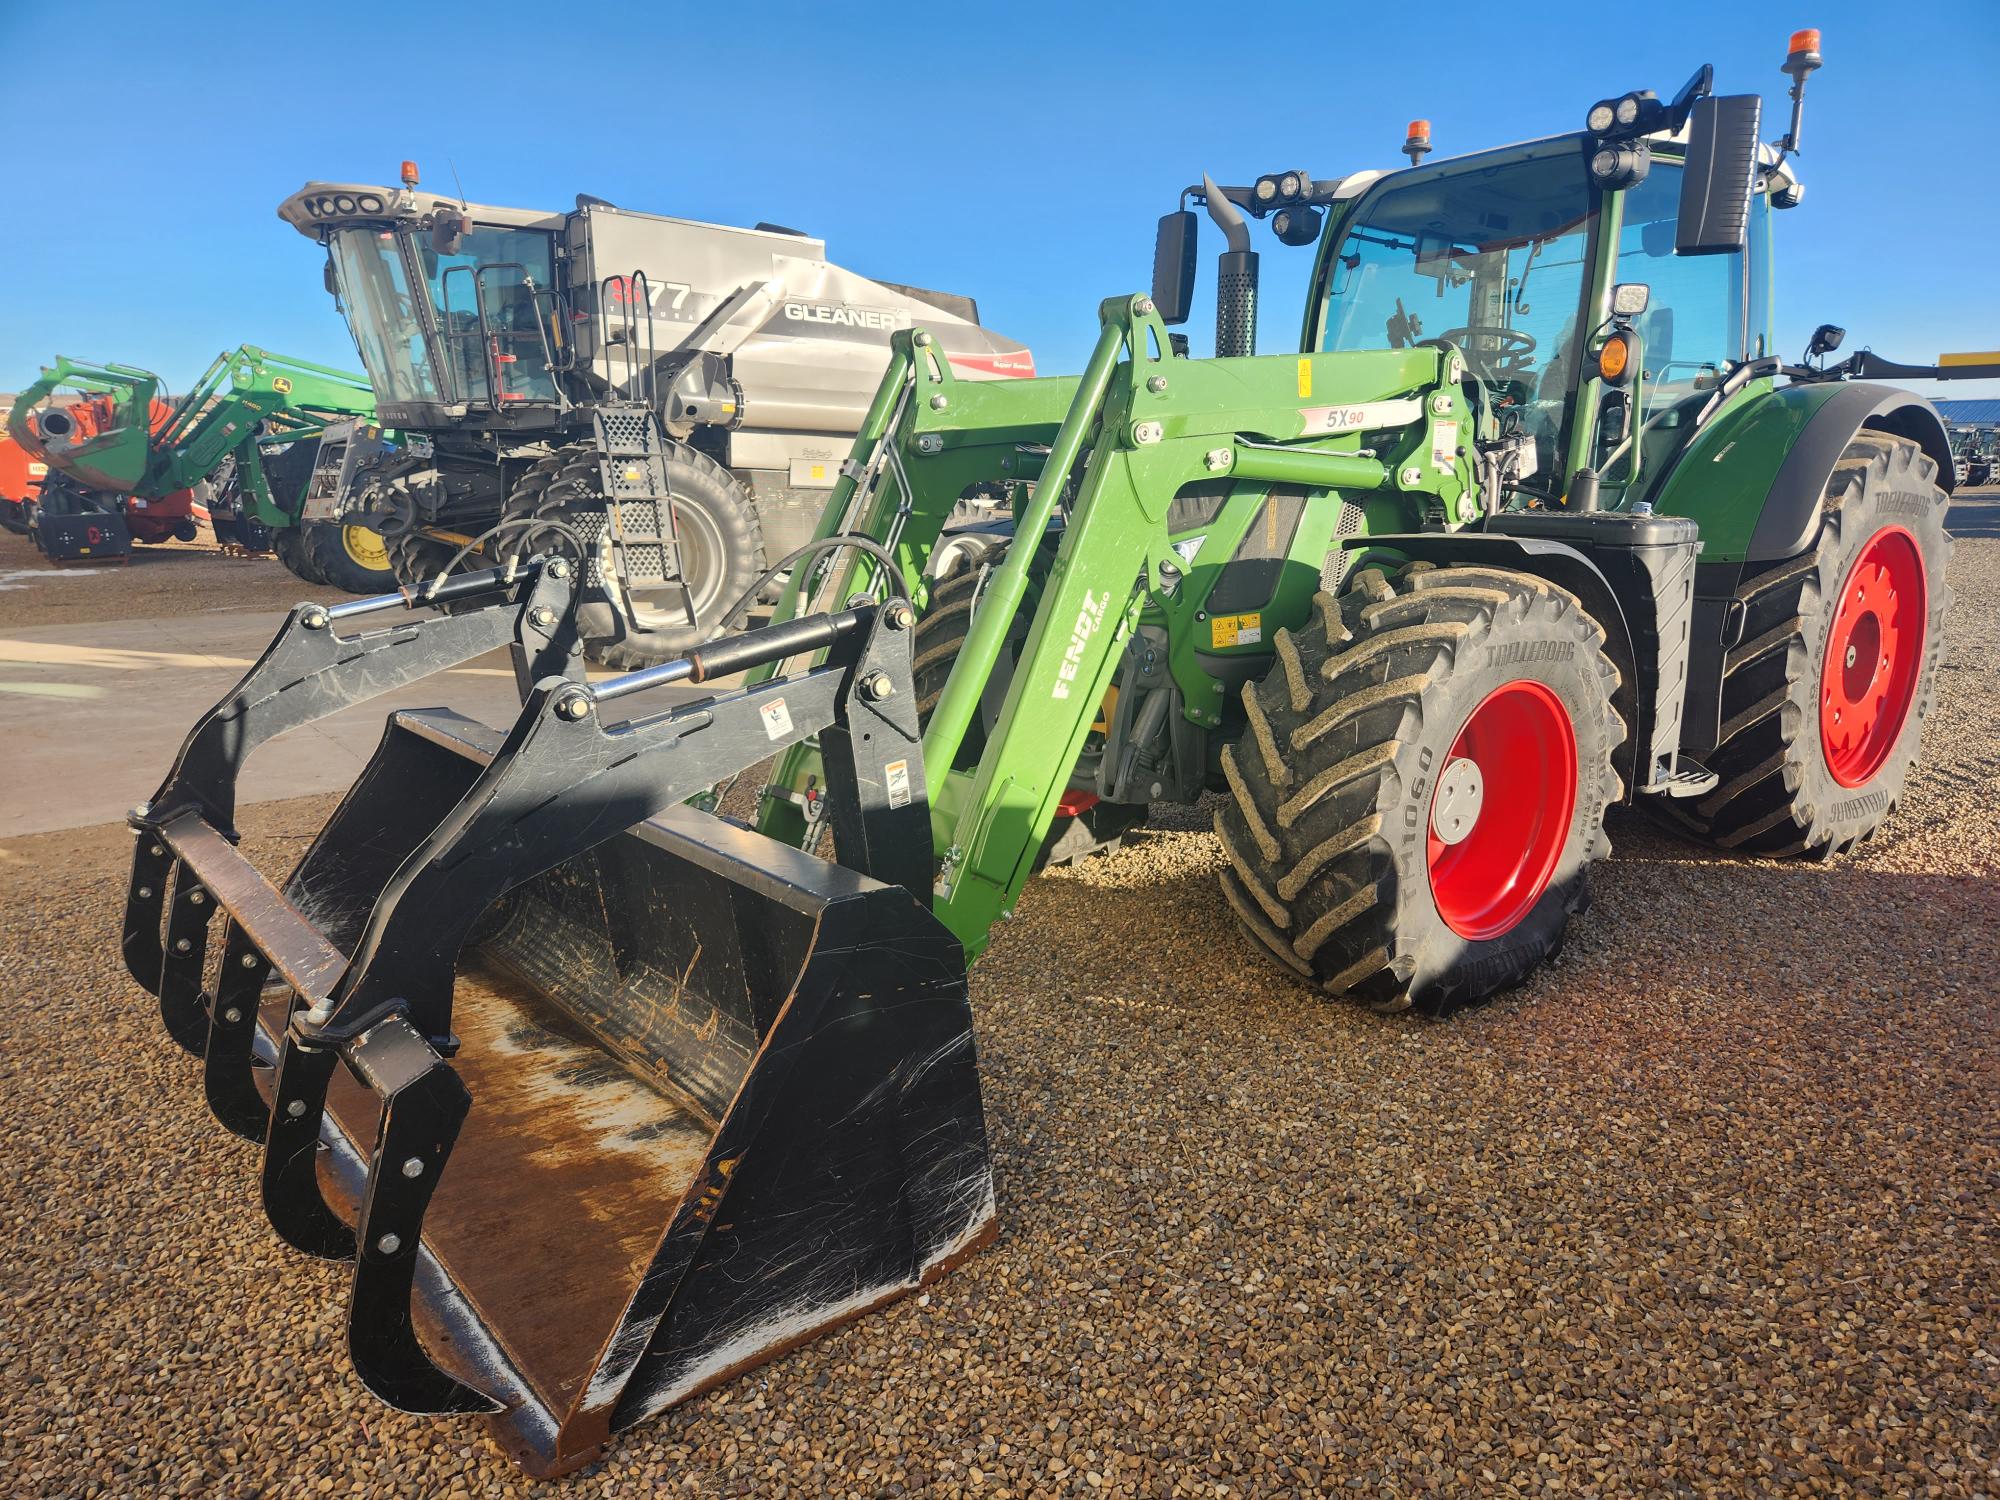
1489	254
1695	325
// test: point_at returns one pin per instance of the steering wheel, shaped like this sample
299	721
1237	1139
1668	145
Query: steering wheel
1506	362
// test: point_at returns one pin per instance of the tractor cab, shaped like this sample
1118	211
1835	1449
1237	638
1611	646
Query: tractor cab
1507	255
453	306
1599	287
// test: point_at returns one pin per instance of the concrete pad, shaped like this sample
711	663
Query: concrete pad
91	714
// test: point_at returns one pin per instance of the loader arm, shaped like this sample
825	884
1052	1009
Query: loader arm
243	393
1138	428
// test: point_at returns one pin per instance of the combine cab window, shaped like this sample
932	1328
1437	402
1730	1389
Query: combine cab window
387	322
506	274
1491	256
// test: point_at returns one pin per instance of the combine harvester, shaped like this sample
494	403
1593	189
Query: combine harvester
124	461
662	397
609	1098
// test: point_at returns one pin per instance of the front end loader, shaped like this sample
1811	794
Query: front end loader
608	1096
605	1098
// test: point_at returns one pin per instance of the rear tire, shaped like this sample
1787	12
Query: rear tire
1814	753
721	541
350	557
1345	861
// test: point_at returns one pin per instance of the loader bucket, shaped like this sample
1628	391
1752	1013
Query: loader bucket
610	1098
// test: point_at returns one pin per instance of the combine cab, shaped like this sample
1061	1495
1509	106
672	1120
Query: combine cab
667	401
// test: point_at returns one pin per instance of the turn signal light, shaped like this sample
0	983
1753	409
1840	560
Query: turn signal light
1613	359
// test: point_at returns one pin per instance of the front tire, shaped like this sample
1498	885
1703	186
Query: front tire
349	556
1421	791
1824	696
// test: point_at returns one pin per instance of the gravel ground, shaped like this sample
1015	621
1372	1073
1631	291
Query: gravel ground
1706	1208
172	578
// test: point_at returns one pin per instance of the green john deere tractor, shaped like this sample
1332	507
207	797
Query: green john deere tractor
125	460
609	1097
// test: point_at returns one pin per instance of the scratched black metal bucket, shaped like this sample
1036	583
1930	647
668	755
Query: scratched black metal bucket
703	1095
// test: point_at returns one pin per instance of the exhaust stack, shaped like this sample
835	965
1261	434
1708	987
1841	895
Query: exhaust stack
1235	278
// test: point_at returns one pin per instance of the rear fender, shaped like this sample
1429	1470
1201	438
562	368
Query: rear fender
1791	515
1753	478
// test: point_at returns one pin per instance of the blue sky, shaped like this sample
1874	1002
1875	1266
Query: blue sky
1019	153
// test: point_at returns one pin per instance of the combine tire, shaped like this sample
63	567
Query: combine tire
1824	698
1084	824
1420	793
354	558
722	550
290	544
415	559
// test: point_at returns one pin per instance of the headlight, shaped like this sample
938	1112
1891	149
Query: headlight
1289	184
1627	110
1267	190
1601	118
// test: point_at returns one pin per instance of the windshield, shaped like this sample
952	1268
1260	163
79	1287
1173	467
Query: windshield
1490	255
386	323
499	272
504	273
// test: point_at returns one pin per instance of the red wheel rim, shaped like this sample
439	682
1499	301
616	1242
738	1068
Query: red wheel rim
1488	871
1874	653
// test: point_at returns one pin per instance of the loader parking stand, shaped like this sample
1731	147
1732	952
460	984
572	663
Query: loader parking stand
852	917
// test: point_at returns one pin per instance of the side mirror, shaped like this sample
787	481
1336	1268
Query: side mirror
1721	174
1630	298
1825	339
1173	265
448	231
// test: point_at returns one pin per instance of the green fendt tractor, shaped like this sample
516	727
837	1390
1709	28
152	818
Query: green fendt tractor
1534	523
609	1097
